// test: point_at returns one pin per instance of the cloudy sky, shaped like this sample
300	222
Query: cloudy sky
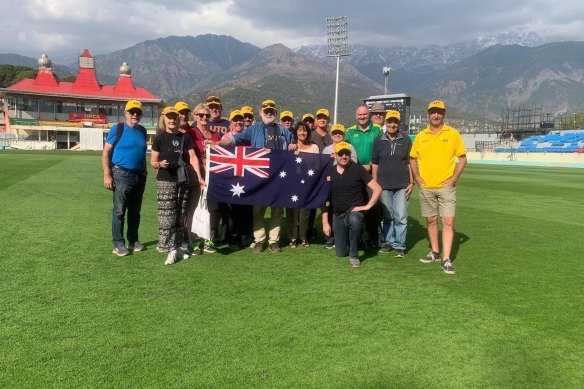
63	28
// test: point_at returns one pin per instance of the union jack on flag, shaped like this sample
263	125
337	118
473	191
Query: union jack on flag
278	178
240	160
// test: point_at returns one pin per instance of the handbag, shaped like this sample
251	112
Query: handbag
202	218
182	171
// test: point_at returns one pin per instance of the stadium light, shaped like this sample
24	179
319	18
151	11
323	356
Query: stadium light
337	33
386	70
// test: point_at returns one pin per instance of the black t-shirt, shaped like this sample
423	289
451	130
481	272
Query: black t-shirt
168	145
392	158
349	189
274	139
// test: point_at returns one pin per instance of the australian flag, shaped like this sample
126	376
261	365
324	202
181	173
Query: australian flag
277	178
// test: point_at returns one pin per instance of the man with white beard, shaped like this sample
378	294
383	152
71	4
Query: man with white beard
264	134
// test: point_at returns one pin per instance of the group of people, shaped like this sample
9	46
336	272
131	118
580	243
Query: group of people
375	169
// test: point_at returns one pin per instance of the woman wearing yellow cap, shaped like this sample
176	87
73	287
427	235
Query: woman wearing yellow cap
172	197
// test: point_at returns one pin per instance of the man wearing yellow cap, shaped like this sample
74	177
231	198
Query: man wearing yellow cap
216	122
321	137
286	120
433	164
390	166
248	116
271	135
124	172
348	199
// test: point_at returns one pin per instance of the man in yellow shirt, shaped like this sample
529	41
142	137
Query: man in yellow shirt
433	164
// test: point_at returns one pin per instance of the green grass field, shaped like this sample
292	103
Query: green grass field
75	316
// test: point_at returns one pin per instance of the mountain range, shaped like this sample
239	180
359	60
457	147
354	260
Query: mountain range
478	77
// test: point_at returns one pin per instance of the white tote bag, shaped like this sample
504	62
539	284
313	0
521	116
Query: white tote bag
202	219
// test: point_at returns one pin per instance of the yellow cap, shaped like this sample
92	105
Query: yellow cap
247	110
211	100
437	104
285	114
342	146
307	116
235	113
181	105
133	104
338	127
168	110
268	104
323	111
393	114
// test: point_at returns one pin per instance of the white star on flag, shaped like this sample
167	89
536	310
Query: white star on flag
294	198
298	160
237	190
311	172
282	174
302	181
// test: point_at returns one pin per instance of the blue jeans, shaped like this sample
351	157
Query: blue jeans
128	193
394	207
347	228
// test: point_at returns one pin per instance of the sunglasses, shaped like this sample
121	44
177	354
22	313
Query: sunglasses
136	112
286	119
237	119
392	121
268	105
248	116
344	153
204	115
269	111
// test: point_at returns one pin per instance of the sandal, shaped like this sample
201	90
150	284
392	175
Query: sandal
293	244
305	243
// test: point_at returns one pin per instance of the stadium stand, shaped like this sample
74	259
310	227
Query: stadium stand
556	142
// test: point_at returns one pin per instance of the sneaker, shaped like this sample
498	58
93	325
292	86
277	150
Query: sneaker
354	262
274	248
447	267
209	247
432	256
329	243
196	250
258	247
399	253
137	246
171	257
121	251
185	246
385	249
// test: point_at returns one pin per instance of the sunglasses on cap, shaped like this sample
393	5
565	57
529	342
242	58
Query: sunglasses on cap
136	112
213	99
268	105
204	115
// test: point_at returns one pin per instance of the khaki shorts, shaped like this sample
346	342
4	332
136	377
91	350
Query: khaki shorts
438	201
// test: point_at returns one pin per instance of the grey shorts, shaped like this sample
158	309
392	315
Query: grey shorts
438	201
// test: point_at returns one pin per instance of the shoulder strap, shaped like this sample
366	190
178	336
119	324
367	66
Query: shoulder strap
119	132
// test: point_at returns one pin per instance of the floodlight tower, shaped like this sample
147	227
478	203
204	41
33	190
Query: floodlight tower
386	70
338	46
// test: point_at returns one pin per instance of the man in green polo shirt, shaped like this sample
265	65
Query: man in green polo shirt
361	136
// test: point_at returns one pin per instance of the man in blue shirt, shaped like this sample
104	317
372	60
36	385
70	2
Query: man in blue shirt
124	172
264	134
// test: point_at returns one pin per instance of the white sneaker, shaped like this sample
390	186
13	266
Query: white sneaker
171	258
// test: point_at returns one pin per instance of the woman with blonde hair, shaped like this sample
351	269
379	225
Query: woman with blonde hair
167	148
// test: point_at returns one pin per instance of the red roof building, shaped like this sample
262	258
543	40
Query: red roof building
33	105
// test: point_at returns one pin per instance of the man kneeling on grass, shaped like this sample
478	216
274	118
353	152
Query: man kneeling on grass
349	183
